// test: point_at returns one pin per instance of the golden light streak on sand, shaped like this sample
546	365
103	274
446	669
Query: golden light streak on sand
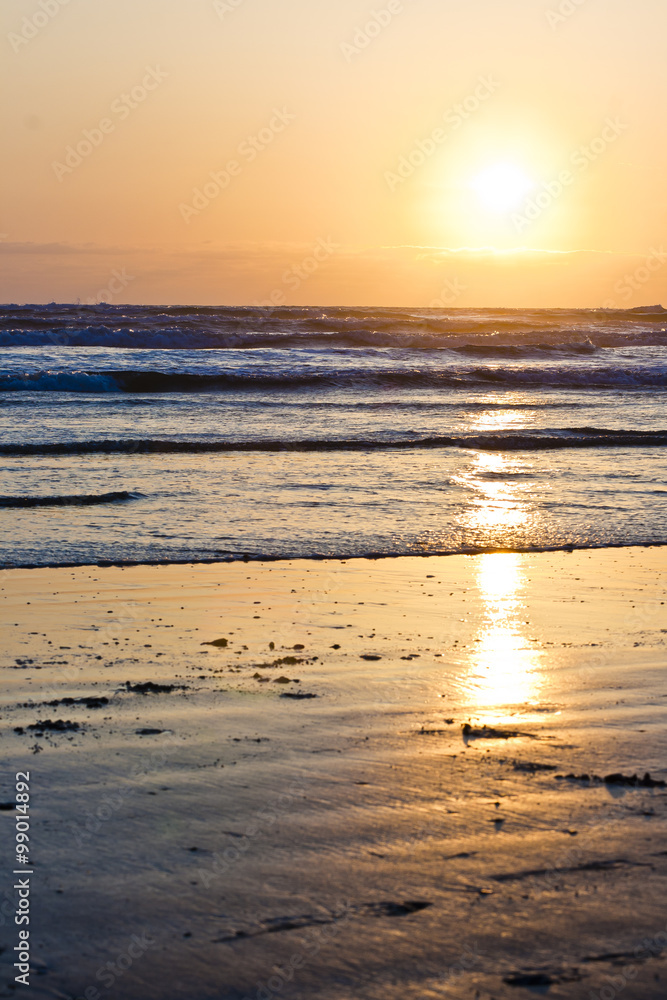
504	668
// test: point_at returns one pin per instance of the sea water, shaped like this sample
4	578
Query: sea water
156	434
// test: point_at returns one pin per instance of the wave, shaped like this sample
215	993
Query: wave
431	377
525	440
76	500
200	328
342	554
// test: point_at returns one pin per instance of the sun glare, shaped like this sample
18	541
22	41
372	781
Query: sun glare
502	187
504	667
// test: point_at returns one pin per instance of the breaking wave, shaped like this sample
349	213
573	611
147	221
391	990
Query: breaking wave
201	328
524	440
632	376
76	500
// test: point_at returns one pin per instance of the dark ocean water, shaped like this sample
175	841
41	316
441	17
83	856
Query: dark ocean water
163	434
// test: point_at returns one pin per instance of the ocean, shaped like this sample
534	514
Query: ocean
133	434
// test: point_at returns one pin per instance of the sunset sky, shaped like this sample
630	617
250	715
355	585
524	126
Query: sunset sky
403	152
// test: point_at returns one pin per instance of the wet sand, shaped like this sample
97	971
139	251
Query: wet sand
372	790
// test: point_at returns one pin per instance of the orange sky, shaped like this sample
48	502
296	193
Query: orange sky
407	152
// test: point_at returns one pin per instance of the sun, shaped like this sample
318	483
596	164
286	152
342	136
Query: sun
502	187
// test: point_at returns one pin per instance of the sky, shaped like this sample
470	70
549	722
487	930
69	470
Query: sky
446	153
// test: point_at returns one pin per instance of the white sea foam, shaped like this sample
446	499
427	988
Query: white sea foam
332	433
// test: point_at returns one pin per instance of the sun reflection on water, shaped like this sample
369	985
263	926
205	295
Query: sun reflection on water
503	668
503	677
497	499
499	420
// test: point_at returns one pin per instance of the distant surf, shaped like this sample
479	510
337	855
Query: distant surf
327	433
226	328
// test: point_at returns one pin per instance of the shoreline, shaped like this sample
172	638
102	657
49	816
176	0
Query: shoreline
390	780
373	557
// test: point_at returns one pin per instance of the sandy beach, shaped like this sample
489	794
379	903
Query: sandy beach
369	786
333	385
